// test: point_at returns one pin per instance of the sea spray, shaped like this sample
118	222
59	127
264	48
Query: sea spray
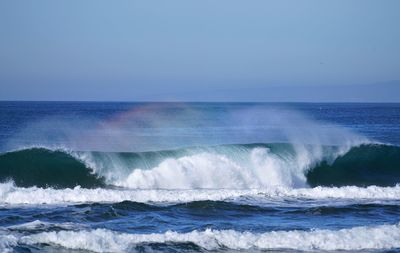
154	127
250	166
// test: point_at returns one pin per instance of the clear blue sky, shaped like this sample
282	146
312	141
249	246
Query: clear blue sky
200	50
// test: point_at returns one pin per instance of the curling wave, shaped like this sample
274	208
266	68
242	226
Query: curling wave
251	166
46	168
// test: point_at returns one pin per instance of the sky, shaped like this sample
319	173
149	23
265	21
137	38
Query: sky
208	50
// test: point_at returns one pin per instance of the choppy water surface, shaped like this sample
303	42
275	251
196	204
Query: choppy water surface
199	177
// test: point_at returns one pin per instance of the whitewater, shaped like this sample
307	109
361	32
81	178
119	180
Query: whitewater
150	177
102	240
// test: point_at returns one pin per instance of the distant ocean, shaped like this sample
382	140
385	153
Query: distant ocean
199	177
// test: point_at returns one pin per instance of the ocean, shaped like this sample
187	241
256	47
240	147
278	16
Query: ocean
199	177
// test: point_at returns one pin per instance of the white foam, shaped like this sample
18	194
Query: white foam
241	169
214	168
7	241
102	240
11	195
184	174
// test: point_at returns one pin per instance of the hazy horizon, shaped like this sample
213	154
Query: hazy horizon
376	93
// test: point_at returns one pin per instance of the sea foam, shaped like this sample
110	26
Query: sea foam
102	240
213	168
11	195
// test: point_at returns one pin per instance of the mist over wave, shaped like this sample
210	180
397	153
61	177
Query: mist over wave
250	166
165	126
306	147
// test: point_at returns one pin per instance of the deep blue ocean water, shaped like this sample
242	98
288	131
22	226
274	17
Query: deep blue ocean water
199	177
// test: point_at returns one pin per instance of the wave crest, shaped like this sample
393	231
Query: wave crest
251	166
102	240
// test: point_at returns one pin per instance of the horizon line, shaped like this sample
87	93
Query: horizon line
199	101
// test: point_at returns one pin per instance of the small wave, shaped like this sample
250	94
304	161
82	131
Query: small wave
7	242
11	195
38	225
206	207
102	240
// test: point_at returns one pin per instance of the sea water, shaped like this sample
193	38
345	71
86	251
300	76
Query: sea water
199	177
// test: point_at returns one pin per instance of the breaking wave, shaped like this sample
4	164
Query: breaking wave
102	240
10	194
251	166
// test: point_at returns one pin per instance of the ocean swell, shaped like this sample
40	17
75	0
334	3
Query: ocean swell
46	168
251	166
